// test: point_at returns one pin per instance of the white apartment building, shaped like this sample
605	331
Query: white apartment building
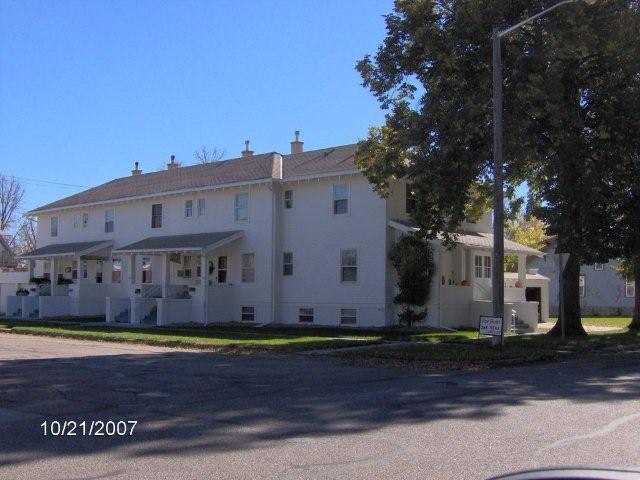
300	238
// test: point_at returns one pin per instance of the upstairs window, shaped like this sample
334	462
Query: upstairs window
54	226
287	264
340	199
248	268
116	270
222	269
85	220
201	207
630	289
242	207
76	221
349	265
288	199
582	285
598	267
410	199
109	218
156	215
188	209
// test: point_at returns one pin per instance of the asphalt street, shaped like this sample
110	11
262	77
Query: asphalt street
205	415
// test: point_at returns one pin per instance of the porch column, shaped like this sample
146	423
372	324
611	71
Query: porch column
204	282
522	270
132	268
166	274
55	261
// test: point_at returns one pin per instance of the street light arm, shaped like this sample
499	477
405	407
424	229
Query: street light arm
507	31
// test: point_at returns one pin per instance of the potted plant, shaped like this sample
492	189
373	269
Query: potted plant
465	283
519	284
39	280
22	292
65	281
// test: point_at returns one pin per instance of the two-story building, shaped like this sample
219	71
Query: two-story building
266	238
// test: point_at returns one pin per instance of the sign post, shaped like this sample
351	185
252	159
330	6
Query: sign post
493	326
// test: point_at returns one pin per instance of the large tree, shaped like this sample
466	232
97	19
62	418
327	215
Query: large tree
433	75
11	196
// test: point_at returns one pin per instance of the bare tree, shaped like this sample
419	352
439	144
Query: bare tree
24	240
11	195
204	155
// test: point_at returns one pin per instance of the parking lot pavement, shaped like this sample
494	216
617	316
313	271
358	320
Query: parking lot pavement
206	415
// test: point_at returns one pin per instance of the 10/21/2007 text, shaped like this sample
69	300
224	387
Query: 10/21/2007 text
97	428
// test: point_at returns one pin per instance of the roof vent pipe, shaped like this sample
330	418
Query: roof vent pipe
136	170
172	163
296	145
246	152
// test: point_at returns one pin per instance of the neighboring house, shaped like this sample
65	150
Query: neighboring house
299	239
7	257
602	290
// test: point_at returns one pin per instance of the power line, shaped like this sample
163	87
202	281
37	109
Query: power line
50	182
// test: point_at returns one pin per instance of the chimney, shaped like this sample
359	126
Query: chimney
246	152
172	163
276	166
296	145
136	171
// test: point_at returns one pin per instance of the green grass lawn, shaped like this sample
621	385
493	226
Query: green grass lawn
618	322
229	339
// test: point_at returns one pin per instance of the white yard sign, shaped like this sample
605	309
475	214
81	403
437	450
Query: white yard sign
491	326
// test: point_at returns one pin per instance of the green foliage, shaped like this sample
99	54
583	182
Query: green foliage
529	231
413	261
571	115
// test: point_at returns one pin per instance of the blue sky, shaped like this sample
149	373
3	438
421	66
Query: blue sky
89	87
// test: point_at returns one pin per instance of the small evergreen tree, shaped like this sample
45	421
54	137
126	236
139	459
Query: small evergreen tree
413	261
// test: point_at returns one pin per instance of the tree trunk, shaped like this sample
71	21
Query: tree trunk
571	299
635	322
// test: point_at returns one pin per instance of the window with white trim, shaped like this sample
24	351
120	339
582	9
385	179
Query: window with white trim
242	206
146	270
629	289
186	265
74	270
305	315
85	220
85	269
116	270
349	265
156	215
202	205
76	220
487	266
222	269
598	267
188	208
288	199
340	199
348	316
478	266
248	268
582	285
54	226
109	220
287	264
46	270
248	314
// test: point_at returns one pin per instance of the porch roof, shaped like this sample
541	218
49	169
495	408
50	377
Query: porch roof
479	240
76	249
195	242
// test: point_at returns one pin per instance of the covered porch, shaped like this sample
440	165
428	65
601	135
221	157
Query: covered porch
169	279
463	288
68	282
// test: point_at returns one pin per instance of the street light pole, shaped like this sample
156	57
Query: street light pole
497	276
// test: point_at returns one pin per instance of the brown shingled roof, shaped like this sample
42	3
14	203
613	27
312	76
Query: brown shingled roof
237	170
